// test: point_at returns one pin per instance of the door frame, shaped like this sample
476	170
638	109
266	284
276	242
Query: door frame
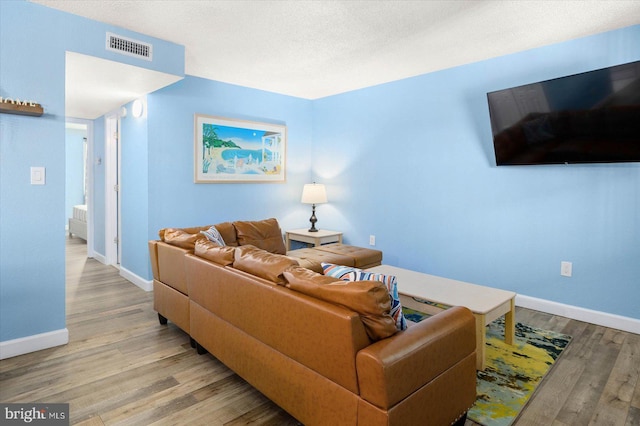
112	195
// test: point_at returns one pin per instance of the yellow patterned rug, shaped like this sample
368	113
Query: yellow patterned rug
512	372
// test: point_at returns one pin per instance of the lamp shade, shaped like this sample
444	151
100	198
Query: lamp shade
314	193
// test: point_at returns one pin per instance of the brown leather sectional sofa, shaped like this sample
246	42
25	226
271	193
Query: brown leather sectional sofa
320	348
171	295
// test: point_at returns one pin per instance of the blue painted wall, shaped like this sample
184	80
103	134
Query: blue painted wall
412	163
34	40
32	299
134	186
175	200
157	177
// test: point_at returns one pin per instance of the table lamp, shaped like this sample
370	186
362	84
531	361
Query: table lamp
314	193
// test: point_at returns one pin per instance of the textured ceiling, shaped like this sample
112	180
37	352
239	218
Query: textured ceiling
313	49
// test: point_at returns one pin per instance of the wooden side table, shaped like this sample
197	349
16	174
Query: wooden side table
315	238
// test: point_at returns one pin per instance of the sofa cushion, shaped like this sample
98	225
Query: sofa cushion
296	274
213	235
313	255
361	257
370	299
181	237
222	255
228	233
354	274
261	263
192	230
311	264
264	234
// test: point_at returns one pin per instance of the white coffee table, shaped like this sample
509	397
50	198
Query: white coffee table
486	303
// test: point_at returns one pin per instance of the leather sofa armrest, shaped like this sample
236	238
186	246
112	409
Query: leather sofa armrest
393	368
153	255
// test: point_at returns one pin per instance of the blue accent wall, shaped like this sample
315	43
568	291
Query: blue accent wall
176	201
134	187
412	162
157	177
32	296
34	40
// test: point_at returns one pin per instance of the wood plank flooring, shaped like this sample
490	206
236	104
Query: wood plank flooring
121	367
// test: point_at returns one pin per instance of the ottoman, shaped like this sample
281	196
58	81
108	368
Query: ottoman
338	253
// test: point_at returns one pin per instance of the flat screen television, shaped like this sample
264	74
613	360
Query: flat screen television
592	117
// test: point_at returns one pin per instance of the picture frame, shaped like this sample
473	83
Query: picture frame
238	151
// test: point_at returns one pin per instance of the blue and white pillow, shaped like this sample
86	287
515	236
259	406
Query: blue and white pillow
347	273
213	235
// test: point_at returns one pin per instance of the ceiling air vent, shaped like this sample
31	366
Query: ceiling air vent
128	46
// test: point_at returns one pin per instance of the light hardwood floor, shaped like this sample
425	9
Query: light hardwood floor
122	367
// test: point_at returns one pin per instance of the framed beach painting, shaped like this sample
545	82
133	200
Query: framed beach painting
235	151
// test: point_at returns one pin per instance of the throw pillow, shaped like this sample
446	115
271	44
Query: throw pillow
264	234
228	233
213	235
347	273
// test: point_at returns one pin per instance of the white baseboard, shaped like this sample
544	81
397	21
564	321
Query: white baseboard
605	319
146	285
37	342
99	257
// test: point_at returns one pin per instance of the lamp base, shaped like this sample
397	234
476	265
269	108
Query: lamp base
313	219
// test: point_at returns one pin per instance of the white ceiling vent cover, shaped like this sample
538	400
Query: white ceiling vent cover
130	47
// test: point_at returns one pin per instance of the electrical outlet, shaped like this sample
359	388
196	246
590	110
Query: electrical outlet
566	268
372	240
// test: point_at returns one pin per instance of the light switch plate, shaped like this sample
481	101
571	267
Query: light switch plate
37	176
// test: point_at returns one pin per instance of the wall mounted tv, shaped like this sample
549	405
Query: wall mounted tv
593	117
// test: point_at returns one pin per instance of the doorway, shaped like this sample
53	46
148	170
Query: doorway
96	89
79	181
